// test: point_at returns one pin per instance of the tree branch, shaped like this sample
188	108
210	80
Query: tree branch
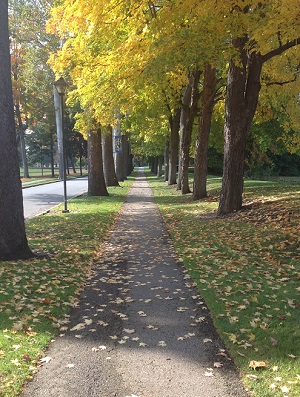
281	82
280	49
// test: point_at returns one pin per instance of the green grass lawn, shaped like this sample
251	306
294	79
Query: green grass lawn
36	295
37	172
247	268
38	177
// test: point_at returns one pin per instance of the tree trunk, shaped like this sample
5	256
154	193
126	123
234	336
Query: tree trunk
188	114
242	93
118	152
22	141
174	142
201	148
155	165
126	155
96	181
166	160
160	165
13	241
52	154
73	164
108	159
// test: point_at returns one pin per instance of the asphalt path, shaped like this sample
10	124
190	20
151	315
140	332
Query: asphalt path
41	198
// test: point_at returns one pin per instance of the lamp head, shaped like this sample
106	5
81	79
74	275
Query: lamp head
61	86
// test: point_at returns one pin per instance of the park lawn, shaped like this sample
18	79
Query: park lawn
36	295
246	267
37	175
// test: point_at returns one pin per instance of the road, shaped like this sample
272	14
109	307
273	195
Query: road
38	199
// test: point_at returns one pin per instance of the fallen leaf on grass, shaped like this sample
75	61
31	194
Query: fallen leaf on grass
285	389
26	358
257	364
251	376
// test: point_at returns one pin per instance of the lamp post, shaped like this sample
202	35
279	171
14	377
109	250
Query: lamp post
61	87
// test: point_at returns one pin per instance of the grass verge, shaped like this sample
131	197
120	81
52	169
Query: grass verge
246	267
36	295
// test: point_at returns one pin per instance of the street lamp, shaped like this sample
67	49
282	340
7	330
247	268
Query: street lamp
61	87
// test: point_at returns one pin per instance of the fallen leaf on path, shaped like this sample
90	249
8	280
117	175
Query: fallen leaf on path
217	364
129	331
45	359
78	327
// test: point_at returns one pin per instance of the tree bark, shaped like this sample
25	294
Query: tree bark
188	113
160	161
21	131
13	240
118	154
166	160
96	181
243	86
243	89
108	159
201	147
126	155
174	142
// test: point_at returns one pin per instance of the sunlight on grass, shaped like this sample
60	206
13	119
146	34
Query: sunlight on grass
247	269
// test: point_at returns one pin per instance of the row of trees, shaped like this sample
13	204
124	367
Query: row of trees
163	71
170	66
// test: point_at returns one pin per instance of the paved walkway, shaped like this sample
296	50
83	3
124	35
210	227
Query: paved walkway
141	329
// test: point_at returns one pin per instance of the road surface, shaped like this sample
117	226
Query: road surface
38	199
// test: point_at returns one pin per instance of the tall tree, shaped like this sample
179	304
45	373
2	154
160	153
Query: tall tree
188	113
243	88
201	147
96	182
108	158
13	240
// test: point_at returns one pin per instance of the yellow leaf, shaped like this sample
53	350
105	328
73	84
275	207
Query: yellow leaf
257	364
251	337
